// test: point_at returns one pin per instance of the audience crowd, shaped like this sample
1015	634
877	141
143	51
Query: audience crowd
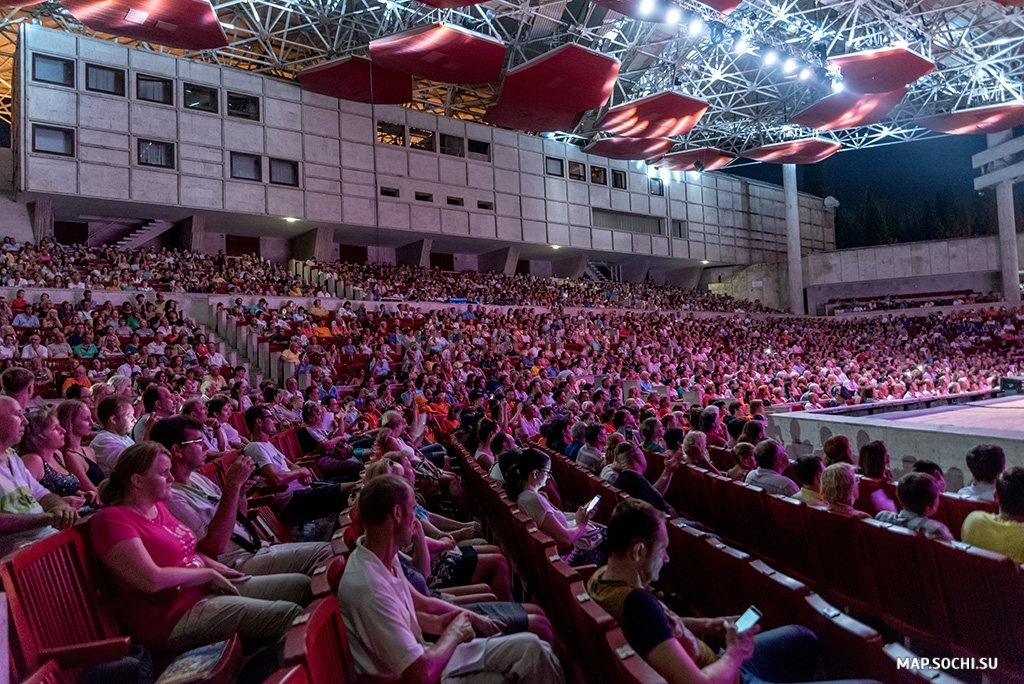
144	406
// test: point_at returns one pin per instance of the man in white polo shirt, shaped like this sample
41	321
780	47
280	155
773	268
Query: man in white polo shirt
386	620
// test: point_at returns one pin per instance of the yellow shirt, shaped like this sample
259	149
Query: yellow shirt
989	531
289	356
810	497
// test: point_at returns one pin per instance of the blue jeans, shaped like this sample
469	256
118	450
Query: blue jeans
786	655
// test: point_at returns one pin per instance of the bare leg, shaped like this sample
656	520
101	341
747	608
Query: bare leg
493	570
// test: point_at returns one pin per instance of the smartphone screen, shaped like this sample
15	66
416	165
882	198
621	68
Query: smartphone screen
592	504
748	619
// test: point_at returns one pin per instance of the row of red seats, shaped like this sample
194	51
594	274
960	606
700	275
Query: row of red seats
961	600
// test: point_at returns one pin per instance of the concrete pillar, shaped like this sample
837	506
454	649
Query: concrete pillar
570	267
316	244
635	269
415	253
794	255
191	234
502	260
1009	262
41	211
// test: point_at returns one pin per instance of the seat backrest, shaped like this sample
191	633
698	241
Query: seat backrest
849	646
269	526
318	640
630	667
677	574
50	673
592	622
906	561
720	568
777	595
953	510
53	594
721	457
848	579
794	549
752	526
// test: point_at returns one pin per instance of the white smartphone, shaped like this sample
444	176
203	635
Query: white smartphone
748	619
592	504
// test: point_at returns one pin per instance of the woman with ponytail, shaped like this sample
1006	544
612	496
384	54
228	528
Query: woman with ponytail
168	597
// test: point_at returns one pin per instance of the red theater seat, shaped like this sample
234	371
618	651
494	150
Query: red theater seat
846	577
319	642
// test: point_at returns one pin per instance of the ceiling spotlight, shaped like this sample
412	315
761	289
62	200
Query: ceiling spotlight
290	219
717	33
673	16
818	35
705	262
646	7
770	58
739	42
698	166
556	246
789	66
805	74
696	26
837	86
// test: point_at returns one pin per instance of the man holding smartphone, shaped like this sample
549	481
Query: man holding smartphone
637	544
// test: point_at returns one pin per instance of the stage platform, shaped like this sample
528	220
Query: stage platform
912	431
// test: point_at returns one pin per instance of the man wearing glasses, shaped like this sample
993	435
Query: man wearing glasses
218	516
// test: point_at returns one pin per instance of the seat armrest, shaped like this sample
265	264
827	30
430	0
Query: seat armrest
90	653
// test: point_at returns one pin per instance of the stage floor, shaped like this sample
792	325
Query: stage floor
1003	415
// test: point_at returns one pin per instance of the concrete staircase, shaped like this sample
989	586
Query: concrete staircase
600	272
150	230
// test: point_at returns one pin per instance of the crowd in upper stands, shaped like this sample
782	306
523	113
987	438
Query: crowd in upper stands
150	434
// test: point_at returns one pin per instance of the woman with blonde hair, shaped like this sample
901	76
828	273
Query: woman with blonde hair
40	450
77	421
695	451
839	488
167	596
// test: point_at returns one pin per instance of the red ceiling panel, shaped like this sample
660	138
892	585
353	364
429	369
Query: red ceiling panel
449	4
630	148
349	79
442	53
686	160
988	119
1011	3
631	8
882	70
551	92
188	24
848	109
655	116
806	151
23	3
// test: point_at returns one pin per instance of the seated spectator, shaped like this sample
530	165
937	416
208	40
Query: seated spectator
752	432
218	516
486	429
19	384
168	597
772	461
918	494
157	404
608	472
58	348
839	489
40	451
577	432
302	499
652	434
28	511
523	483
837	450
931	468
76	419
79	377
631	466
711	425
807	470
334	457
674	646
1001	532
874	461
591	454
558	435
695	451
743	455
115	414
34	349
986	462
385	620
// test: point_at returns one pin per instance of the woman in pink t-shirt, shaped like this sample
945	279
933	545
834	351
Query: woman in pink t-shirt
168	597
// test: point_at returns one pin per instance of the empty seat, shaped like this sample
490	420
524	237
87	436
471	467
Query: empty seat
794	548
721	571
777	595
846	577
851	646
592	623
953	510
318	641
289	675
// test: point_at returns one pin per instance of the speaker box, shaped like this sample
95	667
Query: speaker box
1012	385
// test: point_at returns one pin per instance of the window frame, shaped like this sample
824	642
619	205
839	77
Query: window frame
424	135
480	156
155	79
293	164
138	154
581	171
69	68
389	137
67	131
656	187
602	172
246	156
244	115
445	145
123	81
185	87
553	166
619	179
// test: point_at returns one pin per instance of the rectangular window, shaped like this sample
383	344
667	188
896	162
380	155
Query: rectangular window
599	175
657	187
422	139
554	167
55	70
424	197
619	179
153	153
201	98
390	133
577	171
679	229
486	206
456	201
246	166
104	79
153	89
389	192
53	140
453	145
244	106
283	172
479	150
